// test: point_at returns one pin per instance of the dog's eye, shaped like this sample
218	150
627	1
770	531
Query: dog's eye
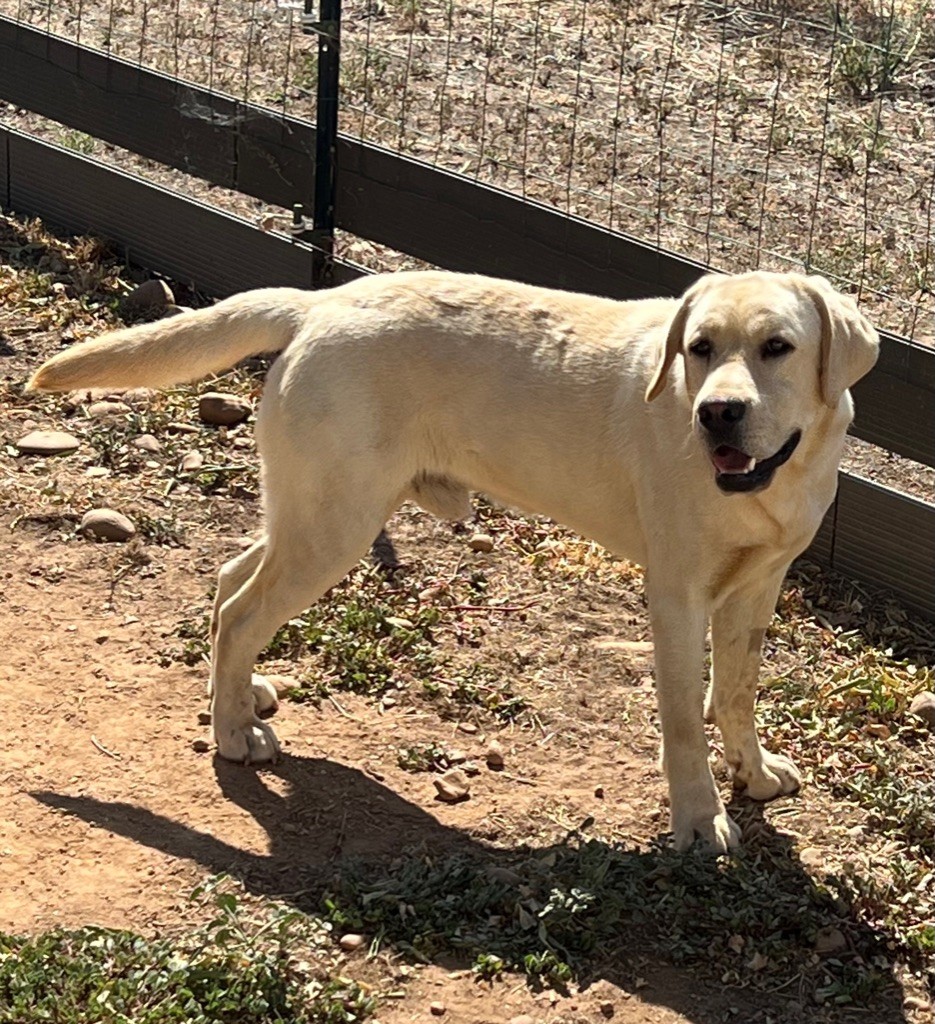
776	347
701	348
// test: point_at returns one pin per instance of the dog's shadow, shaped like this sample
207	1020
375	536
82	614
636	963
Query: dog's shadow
652	918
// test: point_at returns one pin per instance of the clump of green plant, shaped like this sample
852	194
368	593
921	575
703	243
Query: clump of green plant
243	968
879	44
558	914
423	757
364	645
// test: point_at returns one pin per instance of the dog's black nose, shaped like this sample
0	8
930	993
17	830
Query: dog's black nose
720	415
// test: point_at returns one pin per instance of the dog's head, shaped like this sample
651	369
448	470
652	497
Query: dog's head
763	355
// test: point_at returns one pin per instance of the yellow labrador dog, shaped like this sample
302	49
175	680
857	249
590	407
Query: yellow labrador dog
699	437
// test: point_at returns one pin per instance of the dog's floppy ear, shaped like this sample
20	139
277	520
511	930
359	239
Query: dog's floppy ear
674	339
849	343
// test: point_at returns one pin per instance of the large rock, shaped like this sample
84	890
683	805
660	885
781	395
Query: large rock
923	705
47	442
222	409
106	524
147	301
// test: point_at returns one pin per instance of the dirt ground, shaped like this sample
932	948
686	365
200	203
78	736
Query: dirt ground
113	811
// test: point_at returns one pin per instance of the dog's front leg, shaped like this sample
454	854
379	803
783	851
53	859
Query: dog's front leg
737	629
679	621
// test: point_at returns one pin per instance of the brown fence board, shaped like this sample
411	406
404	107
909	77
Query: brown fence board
886	539
153	227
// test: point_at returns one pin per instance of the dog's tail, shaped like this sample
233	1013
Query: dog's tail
181	348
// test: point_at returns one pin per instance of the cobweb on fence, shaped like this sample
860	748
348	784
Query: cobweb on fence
782	134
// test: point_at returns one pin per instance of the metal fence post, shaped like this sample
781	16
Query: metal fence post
328	30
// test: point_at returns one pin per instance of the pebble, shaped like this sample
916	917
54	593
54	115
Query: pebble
147	443
351	942
481	542
453	786
438	1009
47	442
149	299
182	428
455	756
101	410
923	705
191	462
468	727
201	746
523	1018
106	524
222	409
830	940
204	717
494	755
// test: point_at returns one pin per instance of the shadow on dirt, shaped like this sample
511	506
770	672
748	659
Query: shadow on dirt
751	937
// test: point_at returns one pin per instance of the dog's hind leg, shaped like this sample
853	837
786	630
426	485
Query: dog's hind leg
306	552
233	575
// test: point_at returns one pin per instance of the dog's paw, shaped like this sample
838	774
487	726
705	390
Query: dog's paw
716	832
255	743
265	697
776	776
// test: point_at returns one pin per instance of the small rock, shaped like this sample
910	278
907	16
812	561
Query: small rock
812	857
437	1009
191	462
221	409
923	705
97	472
599	792
201	746
482	542
494	756
147	443
830	940
47	442
106	524
523	1018
137	396
455	756
182	428
102	410
453	786
468	727
149	299
204	717
351	942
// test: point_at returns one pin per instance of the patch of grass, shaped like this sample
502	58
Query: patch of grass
364	641
880	42
422	757
560	914
238	969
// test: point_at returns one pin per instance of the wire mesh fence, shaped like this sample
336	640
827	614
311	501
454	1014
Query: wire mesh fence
780	134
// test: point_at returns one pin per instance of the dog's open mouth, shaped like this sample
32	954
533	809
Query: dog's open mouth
737	472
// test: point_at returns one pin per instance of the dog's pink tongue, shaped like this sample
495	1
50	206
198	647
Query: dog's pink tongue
731	460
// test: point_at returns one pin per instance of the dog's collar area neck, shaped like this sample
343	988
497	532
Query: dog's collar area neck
761	474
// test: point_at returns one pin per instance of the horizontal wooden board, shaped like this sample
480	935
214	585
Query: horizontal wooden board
886	539
152	227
